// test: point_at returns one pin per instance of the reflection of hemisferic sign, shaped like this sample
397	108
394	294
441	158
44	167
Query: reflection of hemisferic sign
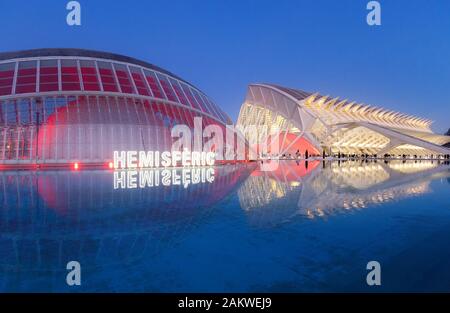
154	178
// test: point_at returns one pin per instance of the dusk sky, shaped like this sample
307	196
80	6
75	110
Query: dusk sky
222	46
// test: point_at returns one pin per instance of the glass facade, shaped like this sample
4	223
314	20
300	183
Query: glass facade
56	110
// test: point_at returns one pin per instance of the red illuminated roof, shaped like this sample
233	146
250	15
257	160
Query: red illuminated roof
56	71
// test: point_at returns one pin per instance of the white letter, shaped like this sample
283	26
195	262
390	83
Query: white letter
74	276
210	175
131	179
74	16
165	156
119	158
195	176
156	159
374	16
229	143
215	141
198	141
175	178
203	158
166	177
374	276
176	156
183	132
145	159
210	158
240	144
119	180
185	158
186	177
132	159
250	132
145	179
196	158
271	146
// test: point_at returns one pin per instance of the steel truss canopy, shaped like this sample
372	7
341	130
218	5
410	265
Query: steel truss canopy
336	125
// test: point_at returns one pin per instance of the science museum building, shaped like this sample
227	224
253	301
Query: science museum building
322	124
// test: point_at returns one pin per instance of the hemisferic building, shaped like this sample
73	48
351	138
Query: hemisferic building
60	106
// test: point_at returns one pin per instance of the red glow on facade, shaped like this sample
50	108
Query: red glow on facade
92	123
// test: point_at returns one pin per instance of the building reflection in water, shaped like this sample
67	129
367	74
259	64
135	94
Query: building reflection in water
51	217
299	189
124	221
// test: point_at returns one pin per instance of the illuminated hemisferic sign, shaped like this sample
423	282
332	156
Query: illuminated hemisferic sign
155	159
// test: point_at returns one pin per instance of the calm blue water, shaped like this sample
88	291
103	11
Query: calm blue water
304	227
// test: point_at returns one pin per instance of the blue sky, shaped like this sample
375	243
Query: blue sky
222	46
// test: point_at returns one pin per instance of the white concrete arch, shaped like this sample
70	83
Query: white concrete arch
336	125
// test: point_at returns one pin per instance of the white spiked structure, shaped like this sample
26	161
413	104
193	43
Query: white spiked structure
336	125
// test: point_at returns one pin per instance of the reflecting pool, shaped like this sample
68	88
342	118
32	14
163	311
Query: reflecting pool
304	227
